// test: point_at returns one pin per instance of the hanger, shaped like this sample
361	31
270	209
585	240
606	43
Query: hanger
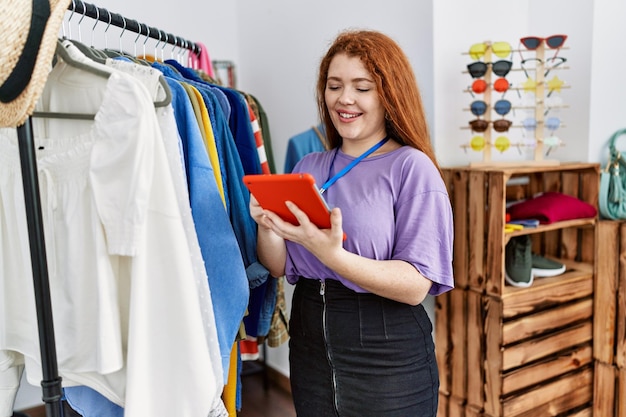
62	51
93	61
89	51
110	52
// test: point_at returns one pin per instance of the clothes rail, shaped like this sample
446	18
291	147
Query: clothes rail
52	391
51	383
103	15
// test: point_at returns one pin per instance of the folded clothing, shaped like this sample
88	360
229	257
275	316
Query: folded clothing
552	207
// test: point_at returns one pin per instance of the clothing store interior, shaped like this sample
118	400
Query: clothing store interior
523	181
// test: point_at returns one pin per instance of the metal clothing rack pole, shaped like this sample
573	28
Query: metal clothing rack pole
103	15
52	391
51	383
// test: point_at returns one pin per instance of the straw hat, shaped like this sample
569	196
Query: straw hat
28	43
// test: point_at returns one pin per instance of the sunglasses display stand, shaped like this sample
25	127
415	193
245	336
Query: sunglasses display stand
486	136
540	96
486	141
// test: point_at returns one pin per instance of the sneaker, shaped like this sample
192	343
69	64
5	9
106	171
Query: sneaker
518	262
544	267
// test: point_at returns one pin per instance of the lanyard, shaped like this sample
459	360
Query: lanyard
344	171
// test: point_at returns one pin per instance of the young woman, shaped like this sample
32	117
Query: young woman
361	342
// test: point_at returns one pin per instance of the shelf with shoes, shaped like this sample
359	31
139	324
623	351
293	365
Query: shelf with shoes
522	265
504	350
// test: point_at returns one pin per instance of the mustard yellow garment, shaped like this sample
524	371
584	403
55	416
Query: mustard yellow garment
202	114
229	395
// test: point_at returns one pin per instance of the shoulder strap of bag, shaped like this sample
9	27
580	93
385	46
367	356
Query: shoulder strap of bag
605	179
614	152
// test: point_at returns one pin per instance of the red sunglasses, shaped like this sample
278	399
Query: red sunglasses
553	42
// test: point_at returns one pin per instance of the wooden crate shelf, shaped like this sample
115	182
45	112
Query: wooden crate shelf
609	338
507	351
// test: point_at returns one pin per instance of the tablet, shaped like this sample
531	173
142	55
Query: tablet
272	190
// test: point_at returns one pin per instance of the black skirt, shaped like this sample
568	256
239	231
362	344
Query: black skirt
359	355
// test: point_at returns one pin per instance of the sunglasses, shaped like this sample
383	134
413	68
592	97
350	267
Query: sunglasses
554	84
477	143
479	107
500	68
549	64
480	125
551	142
501	85
502	143
479	86
550	123
501	49
502	107
553	42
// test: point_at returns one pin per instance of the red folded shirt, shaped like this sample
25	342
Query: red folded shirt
552	207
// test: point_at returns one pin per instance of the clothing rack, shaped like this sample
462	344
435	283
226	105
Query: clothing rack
103	15
52	392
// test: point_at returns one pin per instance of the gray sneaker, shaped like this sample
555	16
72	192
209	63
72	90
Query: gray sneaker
544	267
518	261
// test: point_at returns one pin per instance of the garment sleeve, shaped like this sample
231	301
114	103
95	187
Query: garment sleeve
425	230
122	164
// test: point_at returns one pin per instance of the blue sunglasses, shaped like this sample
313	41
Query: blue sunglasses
479	107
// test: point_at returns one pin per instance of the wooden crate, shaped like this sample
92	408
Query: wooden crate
609	342
621	392
506	351
620	333
604	396
479	197
609	339
605	291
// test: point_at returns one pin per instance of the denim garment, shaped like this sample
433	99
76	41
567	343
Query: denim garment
227	276
191	75
239	122
90	403
229	144
232	164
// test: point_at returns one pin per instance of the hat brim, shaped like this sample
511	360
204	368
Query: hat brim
15	112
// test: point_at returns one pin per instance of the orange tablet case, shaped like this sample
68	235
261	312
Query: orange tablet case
272	190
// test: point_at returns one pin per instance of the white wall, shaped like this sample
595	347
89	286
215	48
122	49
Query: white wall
277	44
283	41
607	87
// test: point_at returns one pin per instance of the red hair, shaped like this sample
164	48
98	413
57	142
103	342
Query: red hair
395	83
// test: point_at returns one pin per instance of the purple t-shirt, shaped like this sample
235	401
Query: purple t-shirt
394	206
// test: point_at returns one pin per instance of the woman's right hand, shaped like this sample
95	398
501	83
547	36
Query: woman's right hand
257	213
270	247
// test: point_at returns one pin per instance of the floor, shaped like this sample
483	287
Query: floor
256	401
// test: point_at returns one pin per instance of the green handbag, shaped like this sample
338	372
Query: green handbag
612	198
